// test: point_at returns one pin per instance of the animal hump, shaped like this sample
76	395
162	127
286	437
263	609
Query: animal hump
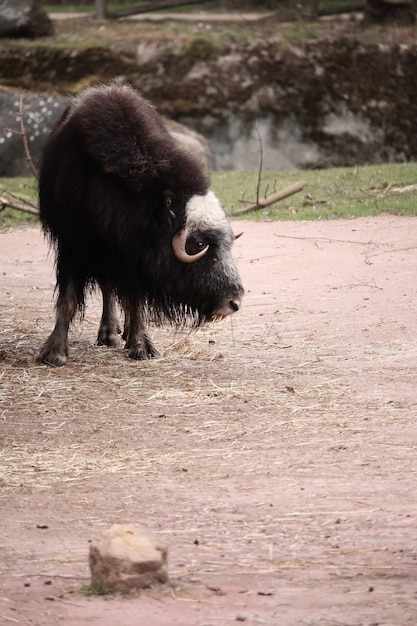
123	133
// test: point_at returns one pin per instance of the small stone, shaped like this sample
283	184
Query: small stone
127	558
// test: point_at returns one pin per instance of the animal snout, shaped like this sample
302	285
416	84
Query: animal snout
234	305
228	307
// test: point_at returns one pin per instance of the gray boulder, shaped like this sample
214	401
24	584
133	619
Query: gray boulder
23	18
39	112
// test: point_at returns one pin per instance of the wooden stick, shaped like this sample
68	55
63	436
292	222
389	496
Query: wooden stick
275	197
5	203
16	201
151	6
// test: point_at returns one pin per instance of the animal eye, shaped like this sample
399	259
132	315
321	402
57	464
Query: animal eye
195	243
168	200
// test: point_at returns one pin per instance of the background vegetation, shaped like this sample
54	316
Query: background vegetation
328	194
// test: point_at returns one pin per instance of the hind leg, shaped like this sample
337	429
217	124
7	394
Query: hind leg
55	349
109	331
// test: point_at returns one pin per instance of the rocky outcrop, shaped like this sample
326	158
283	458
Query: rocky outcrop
37	113
23	18
315	103
390	12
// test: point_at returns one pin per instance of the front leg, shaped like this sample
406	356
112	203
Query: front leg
55	349
138	341
109	330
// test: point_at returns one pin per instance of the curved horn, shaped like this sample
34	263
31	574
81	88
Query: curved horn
178	245
239	235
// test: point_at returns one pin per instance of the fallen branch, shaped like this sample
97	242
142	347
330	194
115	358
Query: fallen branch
275	197
16	201
5	203
151	6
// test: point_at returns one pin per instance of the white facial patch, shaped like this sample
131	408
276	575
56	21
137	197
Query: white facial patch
204	212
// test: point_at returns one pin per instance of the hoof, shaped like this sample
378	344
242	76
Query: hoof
143	354
52	359
110	340
53	353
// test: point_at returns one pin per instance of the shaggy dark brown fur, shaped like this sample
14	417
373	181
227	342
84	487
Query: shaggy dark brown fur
113	191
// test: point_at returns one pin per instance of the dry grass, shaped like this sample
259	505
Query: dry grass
219	397
219	413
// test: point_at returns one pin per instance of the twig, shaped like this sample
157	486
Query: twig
331	240
24	139
275	197
361	283
40	575
261	160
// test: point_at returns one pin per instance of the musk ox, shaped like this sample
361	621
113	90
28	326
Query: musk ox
129	211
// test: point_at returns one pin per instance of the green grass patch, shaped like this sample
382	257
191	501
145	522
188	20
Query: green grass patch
68	8
344	192
328	194
12	189
90	590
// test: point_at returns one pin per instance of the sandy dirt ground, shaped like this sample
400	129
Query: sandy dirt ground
275	452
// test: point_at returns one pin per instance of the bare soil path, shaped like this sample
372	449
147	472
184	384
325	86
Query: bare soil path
275	453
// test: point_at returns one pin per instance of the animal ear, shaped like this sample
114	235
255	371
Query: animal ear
168	198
